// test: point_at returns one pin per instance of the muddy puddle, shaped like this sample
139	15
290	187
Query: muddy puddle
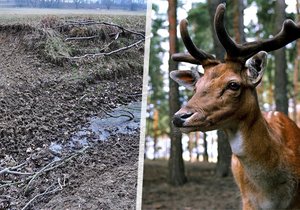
122	120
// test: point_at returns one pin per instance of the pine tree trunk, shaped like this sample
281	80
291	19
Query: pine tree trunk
205	154
155	129
224	155
238	21
190	145
296	68
281	99
197	138
176	165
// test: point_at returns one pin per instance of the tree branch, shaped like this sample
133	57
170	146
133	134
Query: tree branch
108	53
90	22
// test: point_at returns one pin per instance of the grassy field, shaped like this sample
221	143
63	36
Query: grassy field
15	15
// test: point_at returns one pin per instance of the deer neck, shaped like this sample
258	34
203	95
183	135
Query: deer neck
252	138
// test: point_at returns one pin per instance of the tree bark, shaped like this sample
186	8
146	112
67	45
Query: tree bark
224	155
238	21
155	129
197	138
205	153
190	145
281	100
176	165
296	67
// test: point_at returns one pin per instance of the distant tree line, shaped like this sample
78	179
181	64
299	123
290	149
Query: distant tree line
79	4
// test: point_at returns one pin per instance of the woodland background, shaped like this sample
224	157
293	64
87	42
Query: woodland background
173	159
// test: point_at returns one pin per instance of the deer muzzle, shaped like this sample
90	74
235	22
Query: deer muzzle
180	119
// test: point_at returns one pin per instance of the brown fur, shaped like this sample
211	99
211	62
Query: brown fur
266	147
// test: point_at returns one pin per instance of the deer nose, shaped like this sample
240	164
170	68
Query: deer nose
179	119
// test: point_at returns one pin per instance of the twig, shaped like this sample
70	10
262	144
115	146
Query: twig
46	192
81	38
12	183
7	171
11	170
116	37
13	167
108	53
88	37
89	22
67	159
82	97
7	197
48	168
36	175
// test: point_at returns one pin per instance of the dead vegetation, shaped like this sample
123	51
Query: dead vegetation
62	41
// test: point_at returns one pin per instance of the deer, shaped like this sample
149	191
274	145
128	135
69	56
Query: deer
265	146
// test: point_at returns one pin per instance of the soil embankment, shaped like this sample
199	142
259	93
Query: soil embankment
47	95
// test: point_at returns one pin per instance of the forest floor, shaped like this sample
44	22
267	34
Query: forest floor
202	191
47	96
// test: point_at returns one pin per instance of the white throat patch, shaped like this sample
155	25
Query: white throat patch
236	143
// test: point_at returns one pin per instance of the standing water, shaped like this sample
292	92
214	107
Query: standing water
122	120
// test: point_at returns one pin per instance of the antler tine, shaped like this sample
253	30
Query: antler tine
229	45
185	57
195	55
289	32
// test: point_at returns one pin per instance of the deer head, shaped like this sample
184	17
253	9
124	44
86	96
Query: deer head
225	94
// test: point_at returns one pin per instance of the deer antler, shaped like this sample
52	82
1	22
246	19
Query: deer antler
289	32
195	55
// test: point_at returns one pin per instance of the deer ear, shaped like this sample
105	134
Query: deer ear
256	66
187	78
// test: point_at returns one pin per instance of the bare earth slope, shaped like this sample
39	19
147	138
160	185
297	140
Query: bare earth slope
42	101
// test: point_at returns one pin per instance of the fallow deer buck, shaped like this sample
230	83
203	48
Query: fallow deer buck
265	146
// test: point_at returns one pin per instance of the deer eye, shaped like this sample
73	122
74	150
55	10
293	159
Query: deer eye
234	86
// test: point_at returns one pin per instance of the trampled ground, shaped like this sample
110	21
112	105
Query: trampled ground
46	97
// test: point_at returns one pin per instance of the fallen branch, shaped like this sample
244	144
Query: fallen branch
81	38
49	167
46	168
7	197
16	172
37	174
90	22
108	53
13	167
116	37
11	170
46	192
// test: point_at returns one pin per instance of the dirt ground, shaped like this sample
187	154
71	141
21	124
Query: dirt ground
45	97
203	191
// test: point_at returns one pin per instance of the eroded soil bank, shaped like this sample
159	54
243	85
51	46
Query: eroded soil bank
46	98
